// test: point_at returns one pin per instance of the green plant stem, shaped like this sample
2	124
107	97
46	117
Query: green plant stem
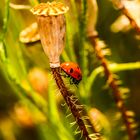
82	30
124	66
113	68
69	39
5	20
3	53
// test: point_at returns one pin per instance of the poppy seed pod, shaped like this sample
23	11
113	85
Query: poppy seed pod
51	24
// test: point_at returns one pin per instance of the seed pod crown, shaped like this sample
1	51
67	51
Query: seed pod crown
50	9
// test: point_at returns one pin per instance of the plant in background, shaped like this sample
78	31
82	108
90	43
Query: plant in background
112	81
125	7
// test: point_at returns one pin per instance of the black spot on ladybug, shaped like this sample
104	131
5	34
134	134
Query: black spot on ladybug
71	70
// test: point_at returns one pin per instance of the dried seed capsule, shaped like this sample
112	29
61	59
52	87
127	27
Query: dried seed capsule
51	24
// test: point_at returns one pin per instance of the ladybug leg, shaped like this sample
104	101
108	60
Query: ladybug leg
71	80
75	81
64	74
76	85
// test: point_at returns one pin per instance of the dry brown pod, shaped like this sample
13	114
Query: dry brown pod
52	28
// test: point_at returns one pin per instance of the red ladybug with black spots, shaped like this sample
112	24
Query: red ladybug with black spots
73	71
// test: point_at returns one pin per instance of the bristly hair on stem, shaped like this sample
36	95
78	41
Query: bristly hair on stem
72	105
113	85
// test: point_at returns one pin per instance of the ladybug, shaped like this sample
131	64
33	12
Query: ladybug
73	71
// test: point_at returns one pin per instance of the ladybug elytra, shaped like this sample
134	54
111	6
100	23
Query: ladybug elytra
73	71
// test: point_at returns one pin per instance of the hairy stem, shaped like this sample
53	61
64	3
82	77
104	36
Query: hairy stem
113	85
70	103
